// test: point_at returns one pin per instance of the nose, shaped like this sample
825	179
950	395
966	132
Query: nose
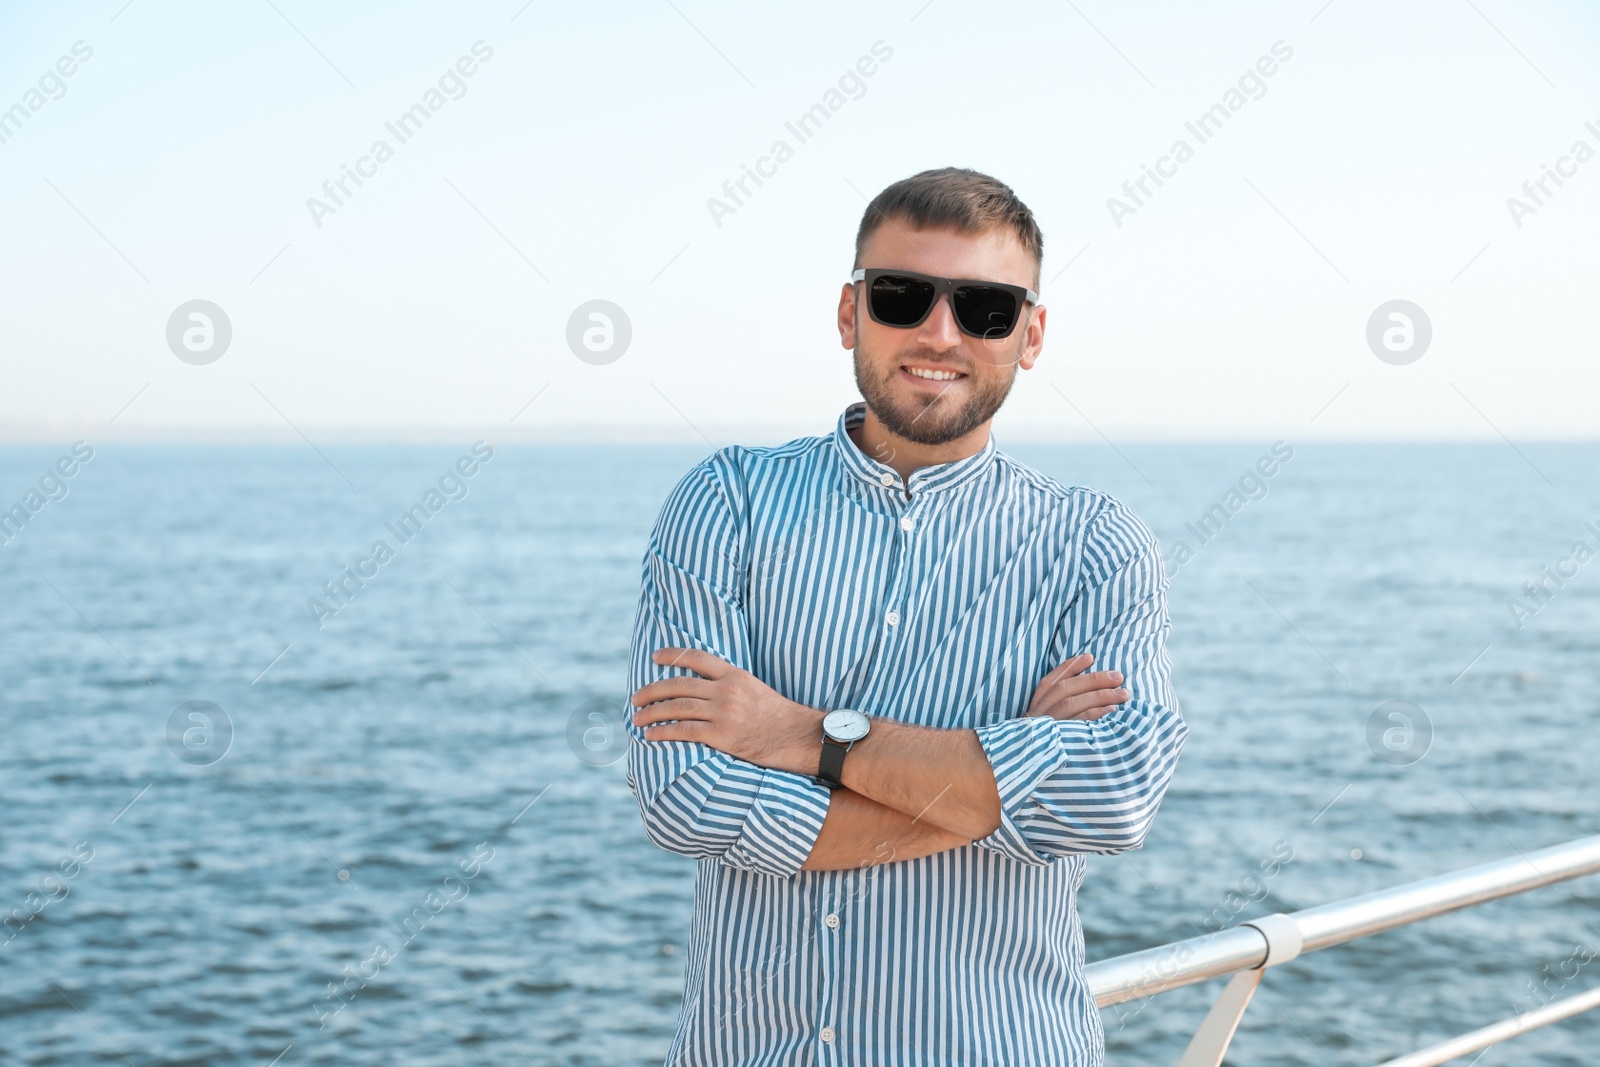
939	330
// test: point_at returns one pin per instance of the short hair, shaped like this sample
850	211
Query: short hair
953	198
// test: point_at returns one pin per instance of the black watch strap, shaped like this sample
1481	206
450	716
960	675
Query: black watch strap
831	767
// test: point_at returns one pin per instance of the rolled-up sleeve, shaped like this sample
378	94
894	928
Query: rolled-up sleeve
697	801
1093	786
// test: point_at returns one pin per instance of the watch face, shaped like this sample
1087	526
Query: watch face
845	724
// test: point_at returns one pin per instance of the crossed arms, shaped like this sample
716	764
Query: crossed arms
909	790
723	766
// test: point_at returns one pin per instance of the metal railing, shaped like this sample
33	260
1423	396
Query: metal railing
1247	950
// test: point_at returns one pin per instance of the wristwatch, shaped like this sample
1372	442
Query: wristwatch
841	729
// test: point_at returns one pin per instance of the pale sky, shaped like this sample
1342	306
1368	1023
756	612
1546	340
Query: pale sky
576	161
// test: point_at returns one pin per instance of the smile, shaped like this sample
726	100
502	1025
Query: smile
929	375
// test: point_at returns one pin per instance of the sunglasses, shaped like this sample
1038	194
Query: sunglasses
903	299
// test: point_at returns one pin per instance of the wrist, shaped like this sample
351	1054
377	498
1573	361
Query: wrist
843	730
804	749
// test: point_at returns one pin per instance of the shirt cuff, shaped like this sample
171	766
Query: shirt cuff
782	825
1022	752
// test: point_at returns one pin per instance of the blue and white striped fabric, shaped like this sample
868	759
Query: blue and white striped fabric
807	565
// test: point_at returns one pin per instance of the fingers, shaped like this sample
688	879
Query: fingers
702	663
1062	714
1097	699
1075	706
1093	713
666	710
669	688
1082	683
688	730
1080	662
1070	677
1076	690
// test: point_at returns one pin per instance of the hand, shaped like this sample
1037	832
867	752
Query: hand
1068	693
729	709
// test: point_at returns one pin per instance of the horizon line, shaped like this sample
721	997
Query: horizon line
751	434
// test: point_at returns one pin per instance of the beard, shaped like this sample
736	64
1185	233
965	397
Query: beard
939	419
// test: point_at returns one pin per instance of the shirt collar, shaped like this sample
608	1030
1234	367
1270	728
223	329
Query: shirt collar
924	479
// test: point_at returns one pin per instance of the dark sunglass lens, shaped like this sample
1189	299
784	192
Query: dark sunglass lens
900	301
985	311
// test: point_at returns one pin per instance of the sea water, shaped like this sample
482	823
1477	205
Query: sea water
379	842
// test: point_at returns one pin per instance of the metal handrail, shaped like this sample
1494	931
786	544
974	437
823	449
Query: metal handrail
1497	1032
1156	970
1247	950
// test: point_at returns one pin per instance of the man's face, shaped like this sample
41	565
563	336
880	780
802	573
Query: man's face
892	364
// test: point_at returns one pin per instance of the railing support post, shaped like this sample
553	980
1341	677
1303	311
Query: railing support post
1210	1042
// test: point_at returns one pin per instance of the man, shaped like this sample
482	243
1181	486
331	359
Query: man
900	887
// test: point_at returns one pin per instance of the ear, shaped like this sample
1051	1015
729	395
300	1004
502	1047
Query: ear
1032	338
847	315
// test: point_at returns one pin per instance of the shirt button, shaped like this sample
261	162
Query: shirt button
886	479
832	920
906	524
893	618
827	1034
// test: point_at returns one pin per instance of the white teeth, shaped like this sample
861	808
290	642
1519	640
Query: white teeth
934	375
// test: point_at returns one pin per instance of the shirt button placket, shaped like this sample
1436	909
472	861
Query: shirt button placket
832	954
902	562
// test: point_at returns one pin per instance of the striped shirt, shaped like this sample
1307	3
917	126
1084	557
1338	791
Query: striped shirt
940	600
